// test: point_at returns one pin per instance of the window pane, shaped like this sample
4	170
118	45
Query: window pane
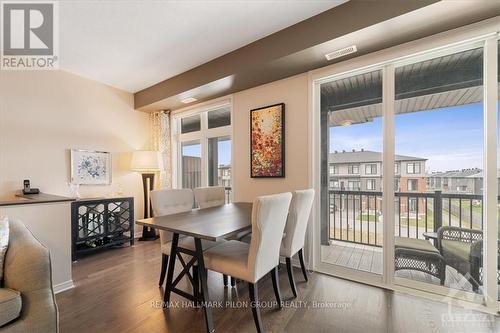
351	125
219	161
219	118
190	124
191	164
439	136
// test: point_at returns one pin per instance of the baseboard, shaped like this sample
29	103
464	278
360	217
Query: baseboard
58	288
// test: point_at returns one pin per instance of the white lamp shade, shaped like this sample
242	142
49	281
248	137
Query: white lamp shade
145	161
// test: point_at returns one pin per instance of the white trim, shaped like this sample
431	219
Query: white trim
388	151
314	98
59	288
490	187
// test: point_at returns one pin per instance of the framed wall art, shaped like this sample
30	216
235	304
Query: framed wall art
267	142
90	167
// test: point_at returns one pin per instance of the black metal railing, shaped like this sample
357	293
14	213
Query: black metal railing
356	216
228	190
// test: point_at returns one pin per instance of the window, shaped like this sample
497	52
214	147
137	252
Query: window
331	184
396	185
191	164
370	184
350	139
413	168
396	168
219	161
371	169
353	169
353	185
190	124
202	146
334	169
335	184
219	118
412	184
412	204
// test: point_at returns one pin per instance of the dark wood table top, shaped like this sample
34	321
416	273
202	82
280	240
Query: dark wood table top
213	223
30	199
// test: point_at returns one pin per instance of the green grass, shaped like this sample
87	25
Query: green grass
366	217
421	221
359	237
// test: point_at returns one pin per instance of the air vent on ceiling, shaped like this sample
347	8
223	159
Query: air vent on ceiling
341	52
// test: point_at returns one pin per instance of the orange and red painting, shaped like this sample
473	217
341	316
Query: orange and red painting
267	141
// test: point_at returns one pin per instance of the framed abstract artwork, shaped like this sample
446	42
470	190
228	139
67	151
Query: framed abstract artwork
90	167
267	142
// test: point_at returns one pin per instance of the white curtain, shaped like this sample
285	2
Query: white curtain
160	141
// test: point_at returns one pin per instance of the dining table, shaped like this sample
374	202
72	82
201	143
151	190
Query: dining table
211	224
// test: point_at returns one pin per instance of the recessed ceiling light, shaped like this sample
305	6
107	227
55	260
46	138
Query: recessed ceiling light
342	52
188	100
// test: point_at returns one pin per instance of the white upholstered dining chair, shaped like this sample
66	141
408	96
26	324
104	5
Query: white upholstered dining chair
168	202
211	196
250	262
295	232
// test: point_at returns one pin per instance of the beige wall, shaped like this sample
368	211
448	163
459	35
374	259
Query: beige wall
45	113
293	92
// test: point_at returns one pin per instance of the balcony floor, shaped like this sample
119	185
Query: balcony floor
369	259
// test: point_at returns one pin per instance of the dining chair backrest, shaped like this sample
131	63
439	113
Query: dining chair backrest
168	202
209	196
296	224
268	222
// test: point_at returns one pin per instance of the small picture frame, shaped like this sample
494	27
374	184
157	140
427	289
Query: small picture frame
90	167
267	142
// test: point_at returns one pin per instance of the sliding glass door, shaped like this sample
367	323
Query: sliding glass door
352	122
439	169
407	171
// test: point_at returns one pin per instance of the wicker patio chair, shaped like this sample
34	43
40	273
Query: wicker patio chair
419	255
462	249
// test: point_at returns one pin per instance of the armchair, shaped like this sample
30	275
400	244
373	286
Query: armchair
462	249
27	272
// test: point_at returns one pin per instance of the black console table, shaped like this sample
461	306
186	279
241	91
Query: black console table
101	223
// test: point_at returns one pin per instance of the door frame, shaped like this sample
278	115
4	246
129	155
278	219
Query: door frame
485	33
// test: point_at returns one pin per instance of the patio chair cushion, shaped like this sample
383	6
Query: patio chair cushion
415	244
10	305
456	248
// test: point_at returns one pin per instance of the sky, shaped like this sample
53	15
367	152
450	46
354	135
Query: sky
450	138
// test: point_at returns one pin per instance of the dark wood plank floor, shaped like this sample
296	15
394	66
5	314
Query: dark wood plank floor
117	291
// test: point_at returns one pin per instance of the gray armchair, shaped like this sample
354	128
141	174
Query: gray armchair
28	303
462	249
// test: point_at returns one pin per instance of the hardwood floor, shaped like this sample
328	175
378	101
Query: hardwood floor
117	291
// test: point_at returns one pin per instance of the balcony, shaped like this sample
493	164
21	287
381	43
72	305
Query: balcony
356	227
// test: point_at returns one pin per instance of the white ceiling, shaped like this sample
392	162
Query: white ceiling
133	44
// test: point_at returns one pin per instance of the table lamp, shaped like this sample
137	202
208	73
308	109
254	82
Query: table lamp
146	162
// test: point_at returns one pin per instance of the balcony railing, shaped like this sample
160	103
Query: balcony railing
228	195
356	216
